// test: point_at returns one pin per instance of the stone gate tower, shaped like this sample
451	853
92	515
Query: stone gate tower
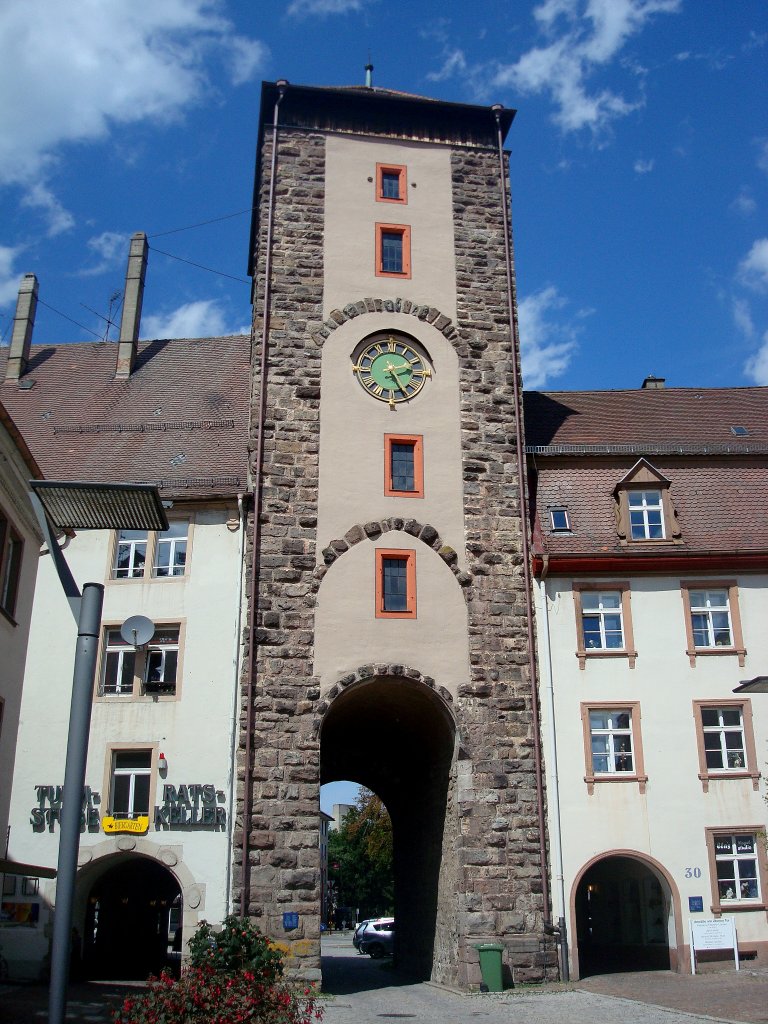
390	638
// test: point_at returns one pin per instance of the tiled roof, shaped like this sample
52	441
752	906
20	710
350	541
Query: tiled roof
180	420
661	417
582	444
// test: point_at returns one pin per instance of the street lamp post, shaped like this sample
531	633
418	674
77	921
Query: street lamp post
83	506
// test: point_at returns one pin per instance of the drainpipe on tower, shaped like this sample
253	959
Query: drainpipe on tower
257	485
522	497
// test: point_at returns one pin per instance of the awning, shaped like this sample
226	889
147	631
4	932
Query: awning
14	867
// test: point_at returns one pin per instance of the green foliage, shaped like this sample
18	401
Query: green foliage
205	996
237	946
360	858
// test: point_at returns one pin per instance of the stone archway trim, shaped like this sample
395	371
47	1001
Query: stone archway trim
424	532
429	314
651	862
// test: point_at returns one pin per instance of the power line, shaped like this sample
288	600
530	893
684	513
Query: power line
75	322
220	273
202	223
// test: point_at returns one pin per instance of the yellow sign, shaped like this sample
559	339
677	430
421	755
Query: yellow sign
140	824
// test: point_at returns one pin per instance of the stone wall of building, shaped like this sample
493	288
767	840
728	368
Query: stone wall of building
500	869
283	830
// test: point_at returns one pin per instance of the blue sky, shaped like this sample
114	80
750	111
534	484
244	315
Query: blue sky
639	162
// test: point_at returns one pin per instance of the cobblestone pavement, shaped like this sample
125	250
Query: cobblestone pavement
364	991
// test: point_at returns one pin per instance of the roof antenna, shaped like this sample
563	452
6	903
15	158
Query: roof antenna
369	74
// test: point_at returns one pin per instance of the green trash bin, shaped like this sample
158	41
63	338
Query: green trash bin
490	965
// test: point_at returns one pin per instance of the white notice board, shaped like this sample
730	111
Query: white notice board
717	933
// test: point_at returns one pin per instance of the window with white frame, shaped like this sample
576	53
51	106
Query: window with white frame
171	550
724	747
611	740
130	784
736	861
710	618
162	659
119	664
559	520
646	515
601	620
153	670
165	552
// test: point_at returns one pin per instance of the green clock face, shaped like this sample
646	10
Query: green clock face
391	370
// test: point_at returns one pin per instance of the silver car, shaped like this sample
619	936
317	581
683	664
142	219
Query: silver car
377	938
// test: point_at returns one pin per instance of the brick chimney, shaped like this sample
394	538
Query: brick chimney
23	325
132	300
653	383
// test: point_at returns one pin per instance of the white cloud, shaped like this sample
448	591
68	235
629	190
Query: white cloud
455	63
644	166
201	319
40	197
753	269
301	8
744	203
547	343
74	70
742	317
111	247
584	36
9	277
756	366
762	155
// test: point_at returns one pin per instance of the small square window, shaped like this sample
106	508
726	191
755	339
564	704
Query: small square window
395	584
603	622
165	552
393	250
403	466
712	619
737	867
726	741
391	183
559	520
612	748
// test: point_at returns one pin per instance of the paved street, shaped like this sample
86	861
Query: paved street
364	991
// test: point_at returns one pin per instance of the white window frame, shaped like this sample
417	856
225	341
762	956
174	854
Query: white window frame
707	610
133	571
644	508
736	858
559	510
600	613
163	649
174	543
132	773
152	542
612	732
722	731
120	649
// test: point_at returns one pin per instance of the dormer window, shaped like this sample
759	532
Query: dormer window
644	510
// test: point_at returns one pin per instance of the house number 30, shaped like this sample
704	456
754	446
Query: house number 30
693	872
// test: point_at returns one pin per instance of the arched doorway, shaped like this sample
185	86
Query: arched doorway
624	917
130	911
396	736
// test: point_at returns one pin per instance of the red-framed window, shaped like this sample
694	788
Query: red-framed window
393	250
395	583
403	466
391	183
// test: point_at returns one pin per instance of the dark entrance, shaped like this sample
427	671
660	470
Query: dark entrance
622	918
396	737
128	919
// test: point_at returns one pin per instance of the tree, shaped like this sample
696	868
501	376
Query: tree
360	859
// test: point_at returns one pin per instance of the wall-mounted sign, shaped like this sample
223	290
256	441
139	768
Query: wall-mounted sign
191	806
48	810
290	921
695	904
138	825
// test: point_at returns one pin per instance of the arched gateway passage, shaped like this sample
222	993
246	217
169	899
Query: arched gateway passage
128	918
624	917
396	737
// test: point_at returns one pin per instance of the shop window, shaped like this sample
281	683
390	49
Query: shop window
737	868
725	741
395	584
165	552
403	466
613	750
603	622
393	250
712	619
391	183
